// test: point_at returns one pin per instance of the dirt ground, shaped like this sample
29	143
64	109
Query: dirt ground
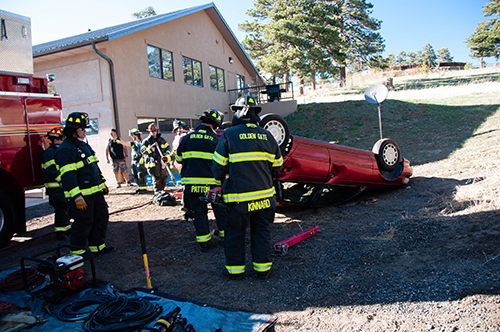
386	261
420	258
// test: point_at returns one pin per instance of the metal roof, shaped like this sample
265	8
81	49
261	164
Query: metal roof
124	29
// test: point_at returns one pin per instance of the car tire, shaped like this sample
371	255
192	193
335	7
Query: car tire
278	127
387	154
7	219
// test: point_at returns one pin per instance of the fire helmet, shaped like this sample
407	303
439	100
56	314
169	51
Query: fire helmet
152	127
178	124
77	120
55	133
243	101
134	131
212	116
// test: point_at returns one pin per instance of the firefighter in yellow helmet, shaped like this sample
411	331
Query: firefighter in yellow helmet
249	155
52	181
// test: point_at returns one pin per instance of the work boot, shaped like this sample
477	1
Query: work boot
224	272
61	236
130	183
118	185
204	246
262	275
106	250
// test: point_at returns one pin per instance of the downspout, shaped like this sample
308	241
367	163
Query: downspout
113	86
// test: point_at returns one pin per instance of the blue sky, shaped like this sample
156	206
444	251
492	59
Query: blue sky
407	25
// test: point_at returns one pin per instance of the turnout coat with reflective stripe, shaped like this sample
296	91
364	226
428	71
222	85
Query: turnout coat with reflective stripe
150	150
195	153
50	170
249	154
80	173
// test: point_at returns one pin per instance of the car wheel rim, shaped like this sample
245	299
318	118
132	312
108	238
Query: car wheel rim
277	130
390	154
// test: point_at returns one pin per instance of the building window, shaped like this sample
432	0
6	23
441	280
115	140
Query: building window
192	72
160	63
217	79
94	127
240	82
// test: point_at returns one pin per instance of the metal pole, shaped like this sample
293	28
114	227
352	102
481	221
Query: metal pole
380	121
144	253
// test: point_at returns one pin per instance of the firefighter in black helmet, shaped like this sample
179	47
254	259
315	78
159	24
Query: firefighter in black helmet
155	151
195	153
250	155
52	181
84	186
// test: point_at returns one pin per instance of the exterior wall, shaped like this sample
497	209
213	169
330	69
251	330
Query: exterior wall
83	78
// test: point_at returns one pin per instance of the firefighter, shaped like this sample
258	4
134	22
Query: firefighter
117	150
195	154
84	186
52	181
155	150
137	164
250	155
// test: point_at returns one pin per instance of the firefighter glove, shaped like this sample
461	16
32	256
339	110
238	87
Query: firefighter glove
105	190
80	203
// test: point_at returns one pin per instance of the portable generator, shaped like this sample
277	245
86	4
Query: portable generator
63	272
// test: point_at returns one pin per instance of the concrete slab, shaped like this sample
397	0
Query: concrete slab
35	197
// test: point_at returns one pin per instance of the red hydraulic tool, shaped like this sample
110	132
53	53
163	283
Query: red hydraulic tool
282	248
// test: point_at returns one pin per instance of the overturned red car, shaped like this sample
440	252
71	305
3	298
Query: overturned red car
316	173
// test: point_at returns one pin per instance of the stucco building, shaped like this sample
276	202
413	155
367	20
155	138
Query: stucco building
156	69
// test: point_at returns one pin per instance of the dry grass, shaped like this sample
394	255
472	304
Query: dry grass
473	162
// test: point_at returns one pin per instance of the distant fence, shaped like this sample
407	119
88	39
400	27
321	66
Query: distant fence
264	93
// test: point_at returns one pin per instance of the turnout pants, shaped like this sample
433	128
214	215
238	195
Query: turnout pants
201	223
139	173
260	239
159	175
61	211
90	224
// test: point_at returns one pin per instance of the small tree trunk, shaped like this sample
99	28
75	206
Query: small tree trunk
301	86
313	81
342	82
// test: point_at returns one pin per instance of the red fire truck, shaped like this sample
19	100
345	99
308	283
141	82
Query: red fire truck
27	112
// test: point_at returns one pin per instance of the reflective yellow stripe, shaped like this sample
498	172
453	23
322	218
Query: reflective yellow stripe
197	154
97	248
278	162
164	145
185	181
251	156
219	159
221	233
248	196
203	238
77	252
86	191
68	168
262	267
235	269
62	229
48	163
178	158
52	185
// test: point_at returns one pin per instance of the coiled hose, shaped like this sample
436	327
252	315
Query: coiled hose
121	314
14	281
81	309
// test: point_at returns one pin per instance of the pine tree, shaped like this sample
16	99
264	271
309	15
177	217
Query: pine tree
485	41
360	41
443	55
